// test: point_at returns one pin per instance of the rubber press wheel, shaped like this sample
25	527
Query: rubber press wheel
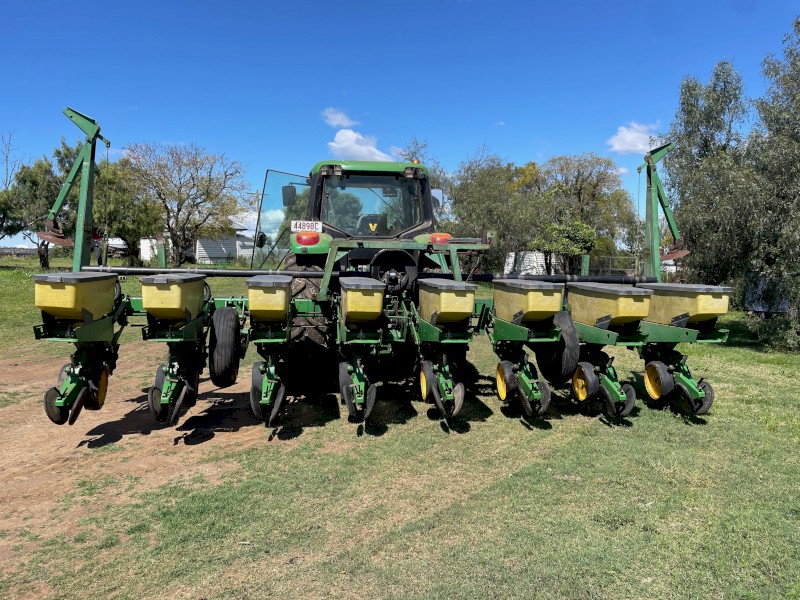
658	381
223	347
558	360
701	406
506	380
158	410
346	390
585	382
97	397
57	414
255	391
427	379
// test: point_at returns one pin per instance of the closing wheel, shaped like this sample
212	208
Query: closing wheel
158	410
77	406
700	406
97	397
619	410
557	360
223	347
276	403
57	414
369	404
458	398
585	382
346	389
658	381
255	391
193	383
427	379
506	380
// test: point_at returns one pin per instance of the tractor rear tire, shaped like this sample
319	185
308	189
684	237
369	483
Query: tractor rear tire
223	348
558	361
311	329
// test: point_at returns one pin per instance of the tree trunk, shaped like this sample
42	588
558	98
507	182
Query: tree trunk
44	255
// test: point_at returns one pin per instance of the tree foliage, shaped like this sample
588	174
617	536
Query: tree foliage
199	193
737	193
568	242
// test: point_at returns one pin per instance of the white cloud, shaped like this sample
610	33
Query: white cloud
500	124
337	118
349	144
622	171
396	151
633	138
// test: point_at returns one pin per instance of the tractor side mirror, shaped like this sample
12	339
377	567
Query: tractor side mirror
289	195
261	240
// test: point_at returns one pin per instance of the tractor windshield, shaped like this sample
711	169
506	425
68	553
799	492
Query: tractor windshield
371	205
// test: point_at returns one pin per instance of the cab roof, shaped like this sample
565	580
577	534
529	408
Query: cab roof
369	165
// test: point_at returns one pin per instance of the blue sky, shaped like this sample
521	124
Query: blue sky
254	79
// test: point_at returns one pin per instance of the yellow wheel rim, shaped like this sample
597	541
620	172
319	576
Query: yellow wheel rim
652	382
423	384
102	386
580	385
502	390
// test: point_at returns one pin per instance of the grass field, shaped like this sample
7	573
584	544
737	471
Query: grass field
491	505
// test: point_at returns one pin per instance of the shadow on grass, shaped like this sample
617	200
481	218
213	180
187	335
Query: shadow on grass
474	409
299	412
392	407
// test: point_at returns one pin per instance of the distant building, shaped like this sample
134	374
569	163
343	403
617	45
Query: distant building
208	251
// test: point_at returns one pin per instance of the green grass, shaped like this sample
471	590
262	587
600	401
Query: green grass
660	505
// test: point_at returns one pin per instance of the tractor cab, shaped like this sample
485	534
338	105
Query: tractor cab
373	202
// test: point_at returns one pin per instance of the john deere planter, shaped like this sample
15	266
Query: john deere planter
606	315
523	317
88	310
349	269
681	312
178	308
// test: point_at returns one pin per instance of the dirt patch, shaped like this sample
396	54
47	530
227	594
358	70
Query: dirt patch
52	476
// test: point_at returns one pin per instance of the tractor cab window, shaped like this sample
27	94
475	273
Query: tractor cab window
371	205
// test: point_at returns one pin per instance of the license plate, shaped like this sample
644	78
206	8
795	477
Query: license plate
298	226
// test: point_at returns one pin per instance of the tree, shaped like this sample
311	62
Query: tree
10	223
120	210
35	189
198	192
568	242
710	179
587	188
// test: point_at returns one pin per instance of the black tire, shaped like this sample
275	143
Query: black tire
426	368
255	391
586	371
345	389
505	370
223	348
544	401
57	414
619	410
193	381
158	410
703	405
557	361
657	377
310	329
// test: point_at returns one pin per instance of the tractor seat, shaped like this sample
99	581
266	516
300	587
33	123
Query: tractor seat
369	225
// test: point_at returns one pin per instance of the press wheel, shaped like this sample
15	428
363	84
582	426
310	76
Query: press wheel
585	382
658	381
505	380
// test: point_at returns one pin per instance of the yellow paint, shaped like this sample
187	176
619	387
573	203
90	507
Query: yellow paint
451	305
269	303
652	382
171	300
500	379
373	227
669	304
536	305
580	384
589	306
66	300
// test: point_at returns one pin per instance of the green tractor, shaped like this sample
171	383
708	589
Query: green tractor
360	240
